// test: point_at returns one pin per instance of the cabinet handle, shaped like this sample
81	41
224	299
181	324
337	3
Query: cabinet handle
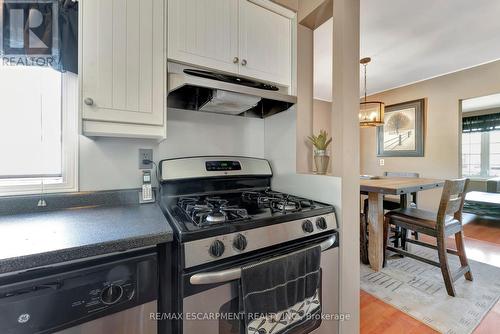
88	101
244	62
236	60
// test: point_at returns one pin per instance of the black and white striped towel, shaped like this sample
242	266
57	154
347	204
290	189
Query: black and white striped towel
282	295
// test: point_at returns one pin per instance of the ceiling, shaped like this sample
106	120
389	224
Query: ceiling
410	41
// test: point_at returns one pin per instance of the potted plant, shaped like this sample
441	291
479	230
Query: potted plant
321	158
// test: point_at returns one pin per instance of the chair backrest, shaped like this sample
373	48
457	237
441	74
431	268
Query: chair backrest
452	200
401	174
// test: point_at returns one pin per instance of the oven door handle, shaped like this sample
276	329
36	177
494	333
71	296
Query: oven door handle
235	273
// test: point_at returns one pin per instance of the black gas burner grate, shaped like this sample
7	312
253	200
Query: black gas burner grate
211	210
237	207
276	201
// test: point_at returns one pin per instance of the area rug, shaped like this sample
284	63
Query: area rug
417	289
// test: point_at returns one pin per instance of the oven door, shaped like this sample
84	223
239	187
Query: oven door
211	296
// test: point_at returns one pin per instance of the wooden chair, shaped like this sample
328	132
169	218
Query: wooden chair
394	202
363	240
446	222
390	203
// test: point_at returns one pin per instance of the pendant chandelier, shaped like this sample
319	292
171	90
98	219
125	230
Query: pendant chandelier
370	113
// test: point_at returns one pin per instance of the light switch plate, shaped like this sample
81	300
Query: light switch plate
381	162
145	153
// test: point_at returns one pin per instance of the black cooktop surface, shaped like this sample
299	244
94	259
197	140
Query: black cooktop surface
212	214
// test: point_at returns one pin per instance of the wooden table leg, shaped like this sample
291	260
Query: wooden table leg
376	230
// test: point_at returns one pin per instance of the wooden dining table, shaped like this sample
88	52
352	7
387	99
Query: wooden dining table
376	189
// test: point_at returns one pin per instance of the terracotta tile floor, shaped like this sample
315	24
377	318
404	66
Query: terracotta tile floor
482	244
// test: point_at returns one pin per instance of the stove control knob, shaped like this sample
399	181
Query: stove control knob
307	226
321	223
111	294
217	248
240	242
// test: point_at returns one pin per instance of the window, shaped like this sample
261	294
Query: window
481	154
494	156
38	130
471	154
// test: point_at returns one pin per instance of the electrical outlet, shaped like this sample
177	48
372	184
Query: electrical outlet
381	162
145	154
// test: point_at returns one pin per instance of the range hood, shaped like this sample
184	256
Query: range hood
205	91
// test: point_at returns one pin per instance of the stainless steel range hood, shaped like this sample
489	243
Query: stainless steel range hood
194	89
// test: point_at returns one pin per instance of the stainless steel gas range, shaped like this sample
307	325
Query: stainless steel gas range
226	216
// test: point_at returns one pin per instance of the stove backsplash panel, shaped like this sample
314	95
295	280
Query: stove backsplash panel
111	163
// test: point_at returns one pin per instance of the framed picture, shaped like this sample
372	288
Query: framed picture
402	134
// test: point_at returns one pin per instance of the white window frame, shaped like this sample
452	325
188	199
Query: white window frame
68	182
485	154
485	158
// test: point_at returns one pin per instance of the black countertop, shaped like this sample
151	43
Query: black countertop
91	224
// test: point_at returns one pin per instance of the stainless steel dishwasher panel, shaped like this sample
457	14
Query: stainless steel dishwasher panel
136	320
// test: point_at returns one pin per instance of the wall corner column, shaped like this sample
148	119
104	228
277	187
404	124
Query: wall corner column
305	59
346	157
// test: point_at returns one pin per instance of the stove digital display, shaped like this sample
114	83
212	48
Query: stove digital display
222	165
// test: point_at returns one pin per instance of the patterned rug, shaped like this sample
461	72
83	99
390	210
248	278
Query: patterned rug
417	289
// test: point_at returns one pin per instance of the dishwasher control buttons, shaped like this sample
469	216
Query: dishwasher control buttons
307	226
217	248
240	242
321	223
111	294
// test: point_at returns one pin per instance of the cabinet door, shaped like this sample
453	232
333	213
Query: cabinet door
204	33
123	61
264	44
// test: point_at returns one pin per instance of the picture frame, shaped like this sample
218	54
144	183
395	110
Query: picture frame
402	134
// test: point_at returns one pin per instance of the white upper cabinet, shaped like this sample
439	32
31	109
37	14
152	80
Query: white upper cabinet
251	38
264	43
204	32
123	62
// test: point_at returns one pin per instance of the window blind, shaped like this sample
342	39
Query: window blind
482	123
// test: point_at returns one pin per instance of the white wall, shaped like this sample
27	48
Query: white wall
280	141
197	133
113	163
110	163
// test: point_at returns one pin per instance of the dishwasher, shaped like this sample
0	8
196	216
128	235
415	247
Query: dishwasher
111	295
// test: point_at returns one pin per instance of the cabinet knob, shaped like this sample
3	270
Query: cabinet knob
244	62
236	60
88	101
